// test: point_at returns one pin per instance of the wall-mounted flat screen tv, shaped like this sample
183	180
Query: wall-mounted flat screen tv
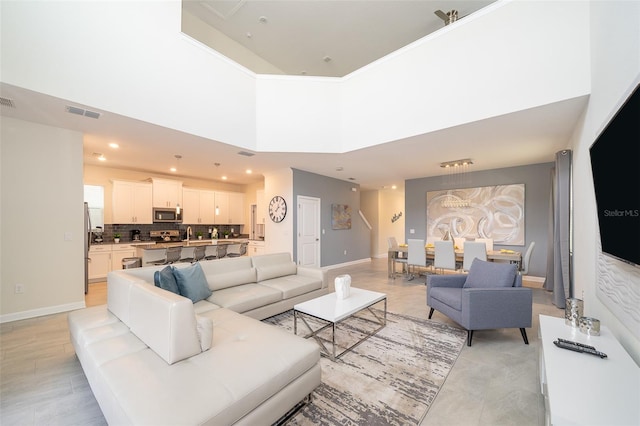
615	165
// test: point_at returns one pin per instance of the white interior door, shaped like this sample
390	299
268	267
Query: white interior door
308	231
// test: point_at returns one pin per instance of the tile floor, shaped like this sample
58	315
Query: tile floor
494	382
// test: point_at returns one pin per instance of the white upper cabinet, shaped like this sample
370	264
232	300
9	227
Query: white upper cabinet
198	206
229	208
222	208
166	193
236	208
132	202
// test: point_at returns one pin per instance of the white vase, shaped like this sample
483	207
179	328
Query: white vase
116	240
343	285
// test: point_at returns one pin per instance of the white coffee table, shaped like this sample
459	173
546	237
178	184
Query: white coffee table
330	309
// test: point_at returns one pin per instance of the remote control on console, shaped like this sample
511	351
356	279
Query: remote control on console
577	348
576	343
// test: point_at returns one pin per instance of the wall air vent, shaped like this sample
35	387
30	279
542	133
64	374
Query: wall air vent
246	154
84	112
6	102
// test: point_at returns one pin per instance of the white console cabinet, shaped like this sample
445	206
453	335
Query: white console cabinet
582	389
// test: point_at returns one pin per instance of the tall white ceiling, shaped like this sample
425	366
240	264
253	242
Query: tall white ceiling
322	37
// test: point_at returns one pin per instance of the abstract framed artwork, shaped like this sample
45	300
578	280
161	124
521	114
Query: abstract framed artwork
495	212
340	216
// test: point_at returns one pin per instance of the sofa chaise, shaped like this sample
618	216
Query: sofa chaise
154	357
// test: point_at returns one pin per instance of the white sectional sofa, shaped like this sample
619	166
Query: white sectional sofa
153	357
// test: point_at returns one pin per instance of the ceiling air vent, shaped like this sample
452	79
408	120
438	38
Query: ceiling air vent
81	111
6	102
246	154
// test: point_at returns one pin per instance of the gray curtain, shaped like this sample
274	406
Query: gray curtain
558	278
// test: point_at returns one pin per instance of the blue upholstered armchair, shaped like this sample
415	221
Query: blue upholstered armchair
490	296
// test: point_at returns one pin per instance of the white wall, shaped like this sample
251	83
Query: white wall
390	203
298	114
615	68
509	57
42	222
279	236
130	58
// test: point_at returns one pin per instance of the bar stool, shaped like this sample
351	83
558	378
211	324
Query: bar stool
237	250
171	255
215	251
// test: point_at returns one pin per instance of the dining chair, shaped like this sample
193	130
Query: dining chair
431	240
487	241
393	246
459	243
416	256
445	256
473	250
527	257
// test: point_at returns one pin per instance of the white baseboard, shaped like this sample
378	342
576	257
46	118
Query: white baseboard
341	265
33	313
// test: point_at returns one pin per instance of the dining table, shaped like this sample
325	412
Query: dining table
506	255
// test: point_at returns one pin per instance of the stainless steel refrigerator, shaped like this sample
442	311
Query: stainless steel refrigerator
87	244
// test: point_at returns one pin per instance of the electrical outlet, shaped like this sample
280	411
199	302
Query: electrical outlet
19	288
345	252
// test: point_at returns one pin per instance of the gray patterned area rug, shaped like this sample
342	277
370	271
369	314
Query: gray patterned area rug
392	378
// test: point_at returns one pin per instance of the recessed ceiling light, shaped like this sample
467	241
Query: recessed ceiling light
173	169
393	187
224	178
249	35
327	59
339	169
262	19
114	145
249	171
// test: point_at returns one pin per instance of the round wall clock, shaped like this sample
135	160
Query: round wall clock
277	209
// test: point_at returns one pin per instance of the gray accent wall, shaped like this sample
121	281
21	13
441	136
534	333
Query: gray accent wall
356	241
537	181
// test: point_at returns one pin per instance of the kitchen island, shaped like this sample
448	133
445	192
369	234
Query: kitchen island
156	251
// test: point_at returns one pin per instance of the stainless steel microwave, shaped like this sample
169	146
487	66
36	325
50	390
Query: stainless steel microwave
166	216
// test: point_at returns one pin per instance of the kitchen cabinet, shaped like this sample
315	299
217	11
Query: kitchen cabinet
229	208
166	193
199	206
255	248
108	257
119	252
99	261
236	208
132	202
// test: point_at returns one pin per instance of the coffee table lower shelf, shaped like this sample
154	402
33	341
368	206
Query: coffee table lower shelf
328	346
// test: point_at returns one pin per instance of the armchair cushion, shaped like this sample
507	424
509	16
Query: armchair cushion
449	296
490	274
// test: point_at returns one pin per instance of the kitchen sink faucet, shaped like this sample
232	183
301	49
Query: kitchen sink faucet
188	233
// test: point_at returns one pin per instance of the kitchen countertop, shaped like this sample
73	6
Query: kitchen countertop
191	243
